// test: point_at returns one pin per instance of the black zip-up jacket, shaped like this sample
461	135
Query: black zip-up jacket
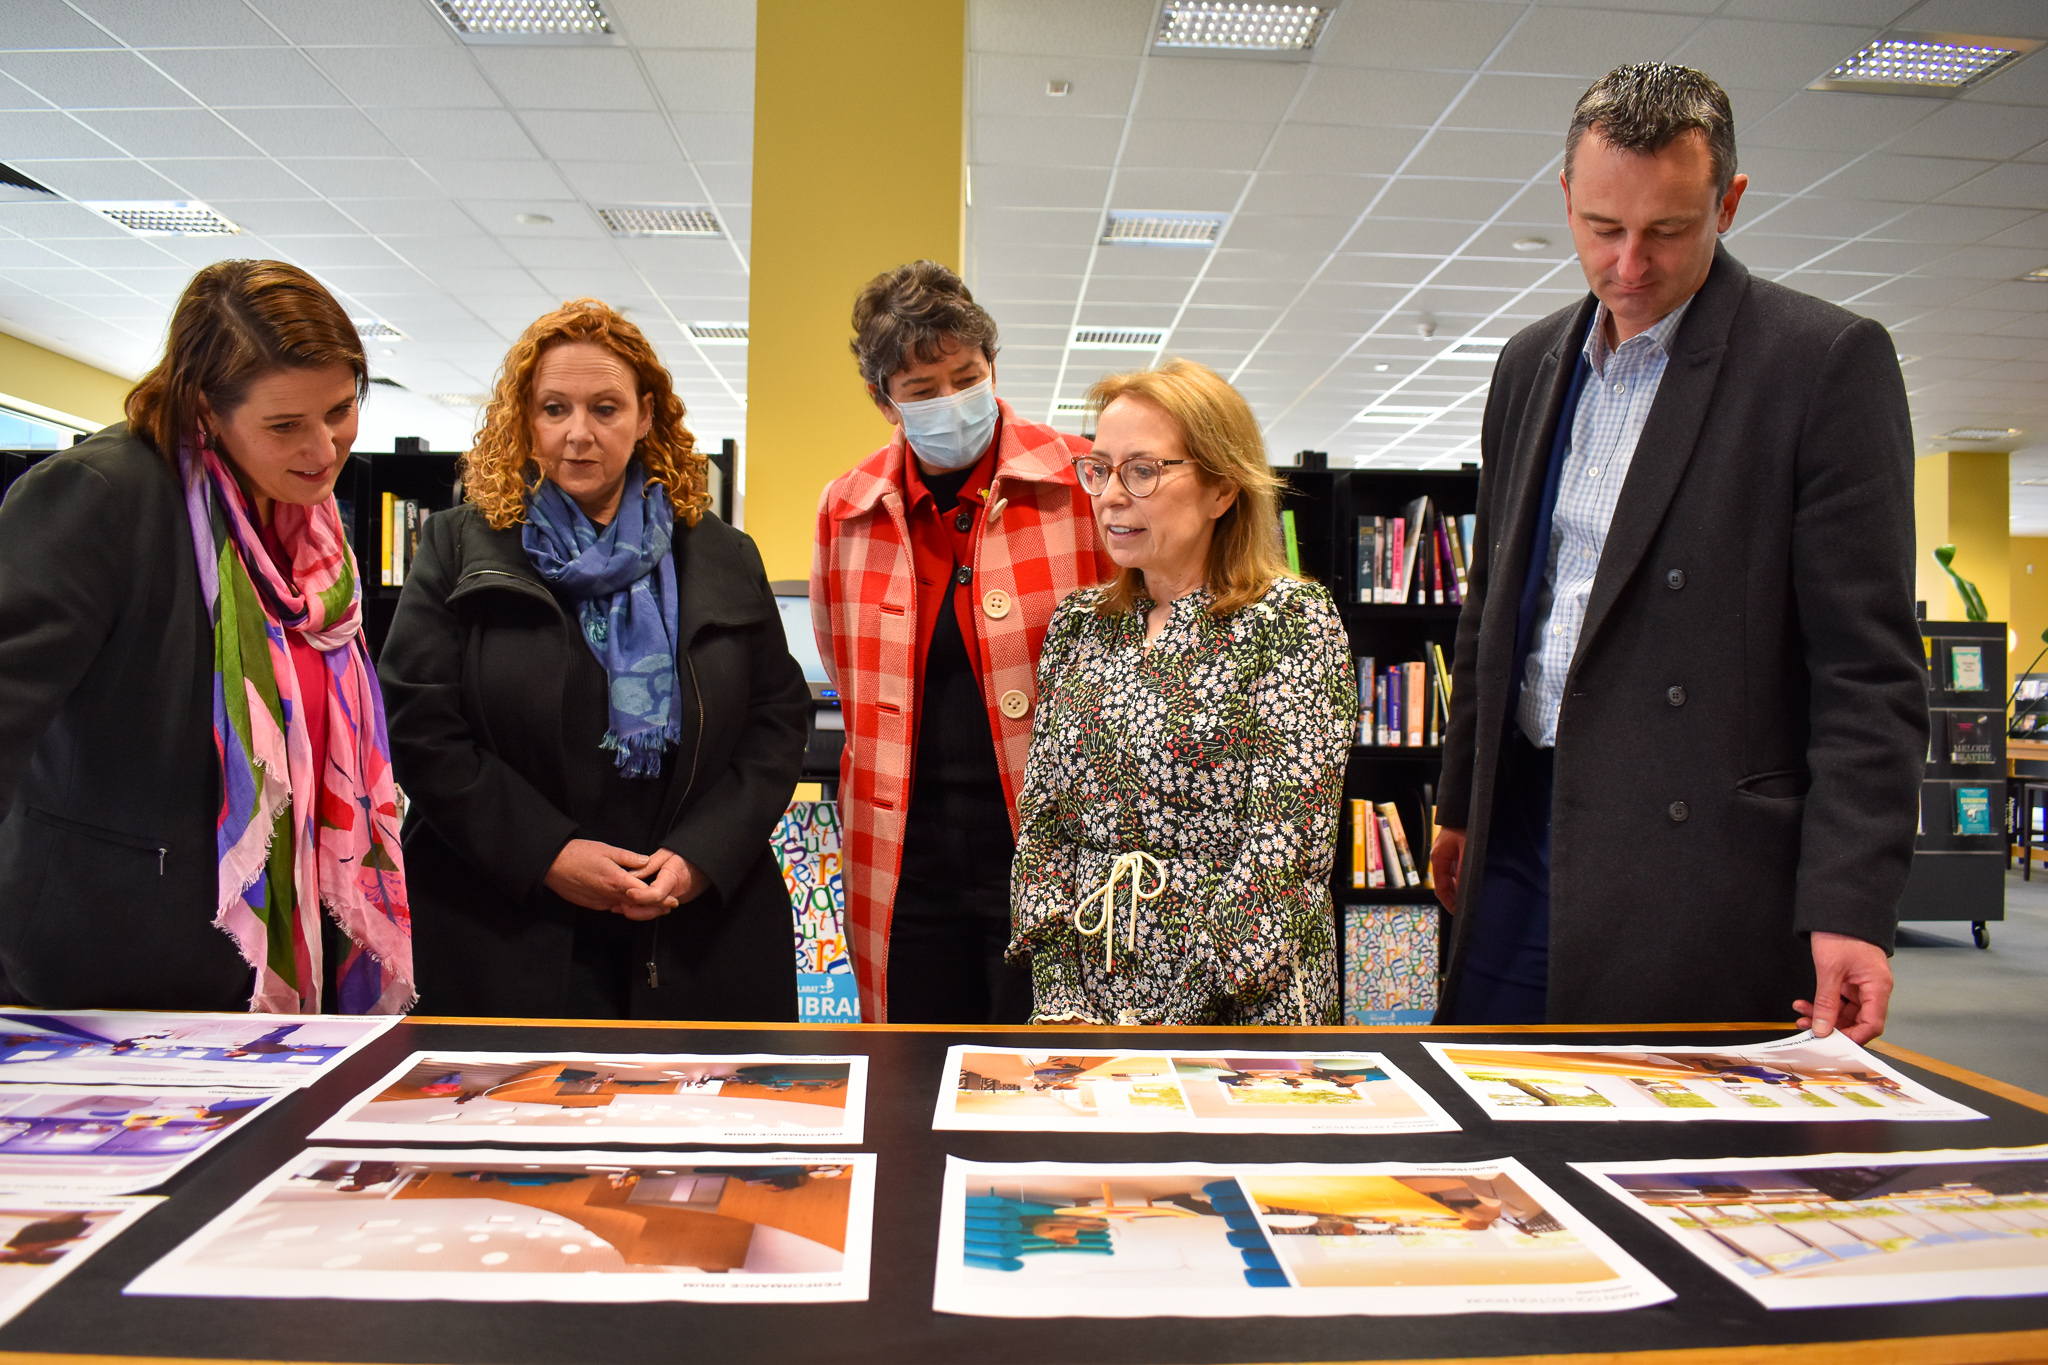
473	675
109	782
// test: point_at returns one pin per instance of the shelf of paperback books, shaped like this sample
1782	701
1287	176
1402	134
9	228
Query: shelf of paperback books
1390	546
384	498
1960	852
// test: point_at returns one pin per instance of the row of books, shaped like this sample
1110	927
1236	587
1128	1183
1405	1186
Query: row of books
1418	558
1403	706
1380	854
398	537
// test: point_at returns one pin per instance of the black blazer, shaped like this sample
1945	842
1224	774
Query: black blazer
473	678
109	782
1744	724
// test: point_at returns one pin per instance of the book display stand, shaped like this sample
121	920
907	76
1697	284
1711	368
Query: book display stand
1961	851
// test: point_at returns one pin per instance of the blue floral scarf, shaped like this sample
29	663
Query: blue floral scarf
623	580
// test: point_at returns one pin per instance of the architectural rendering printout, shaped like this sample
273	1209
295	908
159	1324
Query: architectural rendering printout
1853	1227
43	1240
563	1227
1057	1239
1182	1092
1801	1079
254	1051
566	1098
89	1140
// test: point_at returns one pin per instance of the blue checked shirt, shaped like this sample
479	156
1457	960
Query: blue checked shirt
1612	409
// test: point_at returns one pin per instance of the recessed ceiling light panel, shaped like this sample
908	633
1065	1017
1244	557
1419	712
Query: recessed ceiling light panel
514	21
1072	405
660	220
376	329
164	217
17	188
460	400
1232	25
1980	434
1398	416
1475	348
719	333
1118	338
1925	63
1133	228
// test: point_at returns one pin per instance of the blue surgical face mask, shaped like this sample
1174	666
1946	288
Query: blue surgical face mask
953	431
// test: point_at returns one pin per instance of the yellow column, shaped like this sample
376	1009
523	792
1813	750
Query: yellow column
1964	498
35	378
2029	595
857	169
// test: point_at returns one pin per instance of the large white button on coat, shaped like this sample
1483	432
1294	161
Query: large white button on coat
1014	704
996	603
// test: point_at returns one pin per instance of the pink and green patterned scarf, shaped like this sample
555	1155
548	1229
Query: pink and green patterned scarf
297	831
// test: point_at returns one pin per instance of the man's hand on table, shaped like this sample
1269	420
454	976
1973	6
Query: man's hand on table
1852	987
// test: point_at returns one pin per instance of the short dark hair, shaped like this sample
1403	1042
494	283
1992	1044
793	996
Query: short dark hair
236	322
910	312
1646	106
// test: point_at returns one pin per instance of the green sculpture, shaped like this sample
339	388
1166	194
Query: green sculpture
1973	601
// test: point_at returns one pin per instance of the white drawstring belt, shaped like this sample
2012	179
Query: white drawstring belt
1133	865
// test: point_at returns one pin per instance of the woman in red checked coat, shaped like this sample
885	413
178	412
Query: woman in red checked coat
939	560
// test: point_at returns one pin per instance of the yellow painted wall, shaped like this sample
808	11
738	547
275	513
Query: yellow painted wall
30	373
857	169
1964	498
2029	595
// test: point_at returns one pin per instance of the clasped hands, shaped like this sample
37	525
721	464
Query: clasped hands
640	886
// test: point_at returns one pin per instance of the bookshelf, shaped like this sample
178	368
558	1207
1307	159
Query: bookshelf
1326	505
427	477
1959	876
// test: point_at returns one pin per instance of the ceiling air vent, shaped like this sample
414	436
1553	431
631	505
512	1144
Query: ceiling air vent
1071	405
1980	434
374	329
1162	229
719	333
165	217
1118	338
1476	348
16	188
1900	63
515	20
660	220
1235	26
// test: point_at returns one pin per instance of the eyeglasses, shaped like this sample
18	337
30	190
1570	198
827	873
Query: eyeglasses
1140	478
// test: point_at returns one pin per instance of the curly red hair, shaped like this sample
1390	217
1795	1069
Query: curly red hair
499	473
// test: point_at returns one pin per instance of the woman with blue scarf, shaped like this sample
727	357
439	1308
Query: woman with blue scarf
592	710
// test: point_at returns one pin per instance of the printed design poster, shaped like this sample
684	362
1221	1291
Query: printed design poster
1390	957
806	844
43	1240
1801	1079
1056	1239
570	1098
1007	1089
568	1227
1853	1227
84	1142
256	1051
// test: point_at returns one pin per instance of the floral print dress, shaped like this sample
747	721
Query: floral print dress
1219	751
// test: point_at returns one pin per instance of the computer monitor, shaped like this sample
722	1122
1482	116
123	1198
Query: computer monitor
803	643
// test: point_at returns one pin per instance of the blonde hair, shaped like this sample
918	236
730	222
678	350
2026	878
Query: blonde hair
499	471
1219	433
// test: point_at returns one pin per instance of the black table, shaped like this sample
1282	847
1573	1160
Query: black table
1710	1320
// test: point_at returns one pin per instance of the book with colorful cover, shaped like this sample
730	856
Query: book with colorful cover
1973	810
1390	962
1966	668
1969	738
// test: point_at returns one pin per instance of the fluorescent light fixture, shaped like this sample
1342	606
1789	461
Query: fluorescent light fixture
660	220
2037	276
1399	417
375	329
1118	338
164	217
719	333
1072	405
1137	228
16	188
1980	434
1475	348
1527	244
515	19
460	400
1235	26
1925	63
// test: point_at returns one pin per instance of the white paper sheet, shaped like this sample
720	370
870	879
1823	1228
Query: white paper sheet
560	1227
570	1098
92	1141
42	1240
1063	1239
250	1051
1800	1079
1853	1227
1076	1091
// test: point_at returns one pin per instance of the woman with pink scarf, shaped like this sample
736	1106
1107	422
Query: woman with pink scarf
196	803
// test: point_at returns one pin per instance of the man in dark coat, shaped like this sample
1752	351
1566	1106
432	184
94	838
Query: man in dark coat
1688	717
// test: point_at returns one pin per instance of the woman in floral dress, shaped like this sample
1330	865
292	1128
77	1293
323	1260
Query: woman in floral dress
1179	809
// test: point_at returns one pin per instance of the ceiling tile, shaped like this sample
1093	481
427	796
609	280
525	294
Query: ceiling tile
476	179
701	23
2016	185
1542	104
153	133
1016	85
493	133
367	178
31	135
100	179
247	178
1415	34
1987	263
1911	178
566	77
50	24
631	182
2031	233
1948	223
703	82
727	138
1773	54
1108	27
285	133
1288	232
323	23
1981	130
998	187
1198	88
607	136
1838	120
1346	195
2014	18
1196	144
1590	43
408	78
94	80
1489	155
1051	141
180	23
1469	200
249	77
285	217
1325	148
1184	191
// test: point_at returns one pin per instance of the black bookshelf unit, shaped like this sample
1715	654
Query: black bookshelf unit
1326	505
1961	876
428	477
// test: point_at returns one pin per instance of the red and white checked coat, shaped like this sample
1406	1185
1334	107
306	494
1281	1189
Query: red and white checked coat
1035	544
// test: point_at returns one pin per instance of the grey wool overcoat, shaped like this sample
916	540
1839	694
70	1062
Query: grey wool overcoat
1743	728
